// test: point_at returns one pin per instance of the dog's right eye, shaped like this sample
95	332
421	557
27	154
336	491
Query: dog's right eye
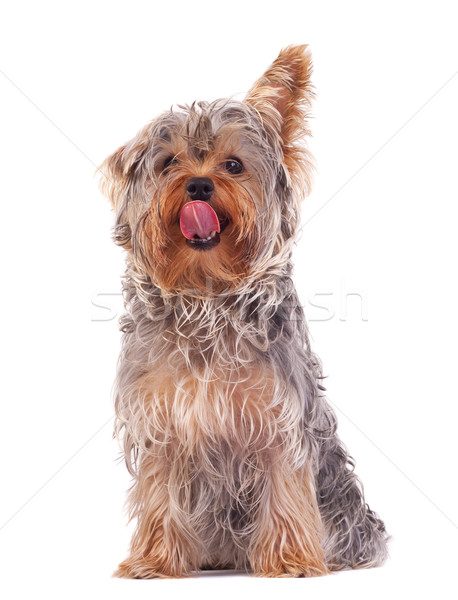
171	160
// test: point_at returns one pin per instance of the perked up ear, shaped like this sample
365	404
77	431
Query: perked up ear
282	97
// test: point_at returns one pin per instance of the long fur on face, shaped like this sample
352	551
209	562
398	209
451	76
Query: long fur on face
230	441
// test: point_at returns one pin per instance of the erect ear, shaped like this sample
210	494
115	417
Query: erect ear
282	97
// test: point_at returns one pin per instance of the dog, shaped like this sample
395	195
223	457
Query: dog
220	409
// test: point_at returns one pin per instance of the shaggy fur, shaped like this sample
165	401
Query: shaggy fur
229	439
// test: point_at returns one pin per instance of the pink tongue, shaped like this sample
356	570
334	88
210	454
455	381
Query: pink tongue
198	218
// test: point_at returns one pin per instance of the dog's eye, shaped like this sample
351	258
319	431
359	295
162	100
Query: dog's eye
171	160
233	166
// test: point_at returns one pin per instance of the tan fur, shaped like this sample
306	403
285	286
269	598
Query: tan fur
290	531
230	442
283	97
184	423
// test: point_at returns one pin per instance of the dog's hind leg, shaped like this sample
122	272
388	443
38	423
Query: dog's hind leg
355	536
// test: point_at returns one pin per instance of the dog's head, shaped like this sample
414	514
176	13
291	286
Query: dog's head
207	196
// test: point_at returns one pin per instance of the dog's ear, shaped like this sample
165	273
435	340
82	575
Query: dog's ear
118	172
282	97
119	175
112	177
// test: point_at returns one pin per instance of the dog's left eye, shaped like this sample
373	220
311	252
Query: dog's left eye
233	166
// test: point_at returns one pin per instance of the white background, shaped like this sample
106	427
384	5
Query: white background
80	78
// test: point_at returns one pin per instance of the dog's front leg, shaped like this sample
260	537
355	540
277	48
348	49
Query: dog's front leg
161	545
288	537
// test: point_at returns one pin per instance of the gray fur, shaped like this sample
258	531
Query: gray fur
259	325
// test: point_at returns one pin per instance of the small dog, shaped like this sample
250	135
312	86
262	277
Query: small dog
225	430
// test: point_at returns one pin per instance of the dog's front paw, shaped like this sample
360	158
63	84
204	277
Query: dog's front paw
140	567
289	566
278	559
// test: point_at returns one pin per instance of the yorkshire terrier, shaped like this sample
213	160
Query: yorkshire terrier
232	446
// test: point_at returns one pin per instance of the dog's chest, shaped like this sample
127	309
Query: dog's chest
208	382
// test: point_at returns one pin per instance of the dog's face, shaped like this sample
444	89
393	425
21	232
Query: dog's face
207	196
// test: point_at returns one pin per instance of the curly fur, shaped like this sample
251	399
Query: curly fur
225	429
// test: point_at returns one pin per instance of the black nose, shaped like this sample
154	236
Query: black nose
200	188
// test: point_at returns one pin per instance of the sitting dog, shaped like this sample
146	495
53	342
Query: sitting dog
231	444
